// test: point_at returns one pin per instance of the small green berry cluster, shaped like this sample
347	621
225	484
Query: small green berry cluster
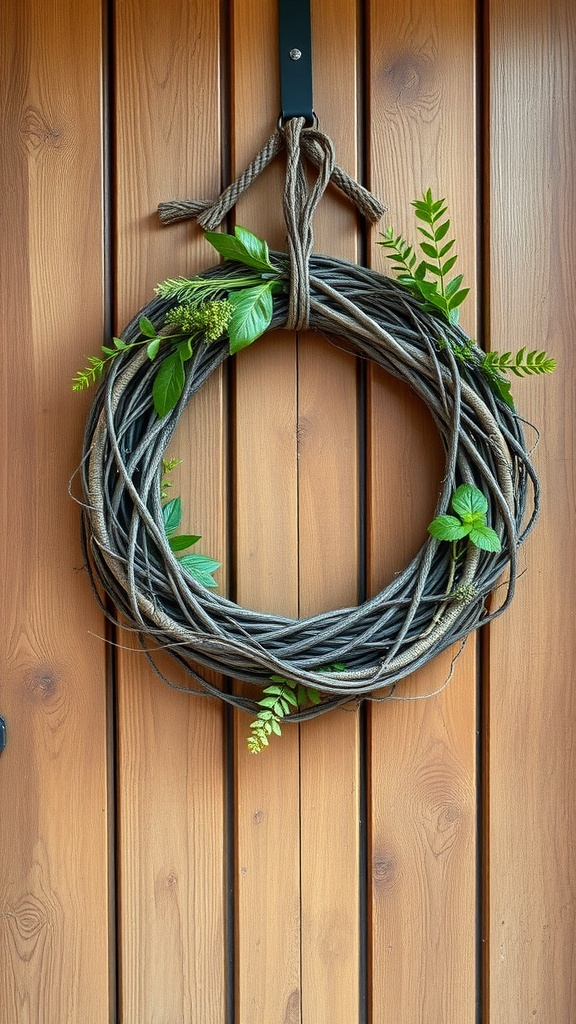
211	319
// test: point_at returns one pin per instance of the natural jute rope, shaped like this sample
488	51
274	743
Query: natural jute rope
383	639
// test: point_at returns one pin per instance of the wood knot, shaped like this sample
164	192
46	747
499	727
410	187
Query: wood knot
35	130
42	685
408	77
384	872
292	1015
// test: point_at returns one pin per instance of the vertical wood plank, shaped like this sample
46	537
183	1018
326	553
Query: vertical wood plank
423	802
53	785
328	538
267	785
171	799
530	740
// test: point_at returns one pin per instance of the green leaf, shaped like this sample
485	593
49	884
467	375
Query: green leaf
152	348
120	344
183	541
441	230
503	389
467	500
185	349
486	538
276	727
458	299
168	384
243	247
453	285
447	266
172	515
147	327
447	528
429	250
253	309
201	563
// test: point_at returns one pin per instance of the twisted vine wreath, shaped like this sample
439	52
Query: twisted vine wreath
437	600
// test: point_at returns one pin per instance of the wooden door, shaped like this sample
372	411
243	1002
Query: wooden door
408	861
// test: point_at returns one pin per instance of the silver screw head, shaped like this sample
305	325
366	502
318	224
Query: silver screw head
295	54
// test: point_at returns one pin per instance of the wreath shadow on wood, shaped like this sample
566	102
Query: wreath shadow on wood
425	609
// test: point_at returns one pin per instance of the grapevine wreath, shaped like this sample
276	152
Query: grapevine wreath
489	498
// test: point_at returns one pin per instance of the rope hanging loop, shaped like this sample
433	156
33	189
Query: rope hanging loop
305	145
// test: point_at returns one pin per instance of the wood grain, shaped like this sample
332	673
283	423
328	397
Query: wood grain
531	771
170	746
267	785
329	505
54	915
423	801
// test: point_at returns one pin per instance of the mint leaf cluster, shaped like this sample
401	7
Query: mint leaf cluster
471	508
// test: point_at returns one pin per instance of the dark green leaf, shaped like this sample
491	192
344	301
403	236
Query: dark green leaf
503	389
243	247
253	308
429	250
453	285
447	266
446	248
147	327
172	515
441	230
458	299
109	351
183	541
168	384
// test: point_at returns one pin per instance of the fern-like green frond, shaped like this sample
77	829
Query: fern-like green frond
89	375
522	364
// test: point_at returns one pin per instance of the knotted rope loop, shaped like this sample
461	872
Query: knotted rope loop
209	213
300	202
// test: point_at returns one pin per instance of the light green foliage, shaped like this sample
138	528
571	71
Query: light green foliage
428	278
471	508
278	701
522	364
199	566
250	296
201	314
168	465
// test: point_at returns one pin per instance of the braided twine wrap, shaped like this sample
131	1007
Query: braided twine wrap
388	636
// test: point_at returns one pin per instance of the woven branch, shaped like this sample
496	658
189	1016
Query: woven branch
388	636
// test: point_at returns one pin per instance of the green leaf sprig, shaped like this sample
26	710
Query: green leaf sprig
201	567
250	296
201	314
428	278
471	508
522	364
278	701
